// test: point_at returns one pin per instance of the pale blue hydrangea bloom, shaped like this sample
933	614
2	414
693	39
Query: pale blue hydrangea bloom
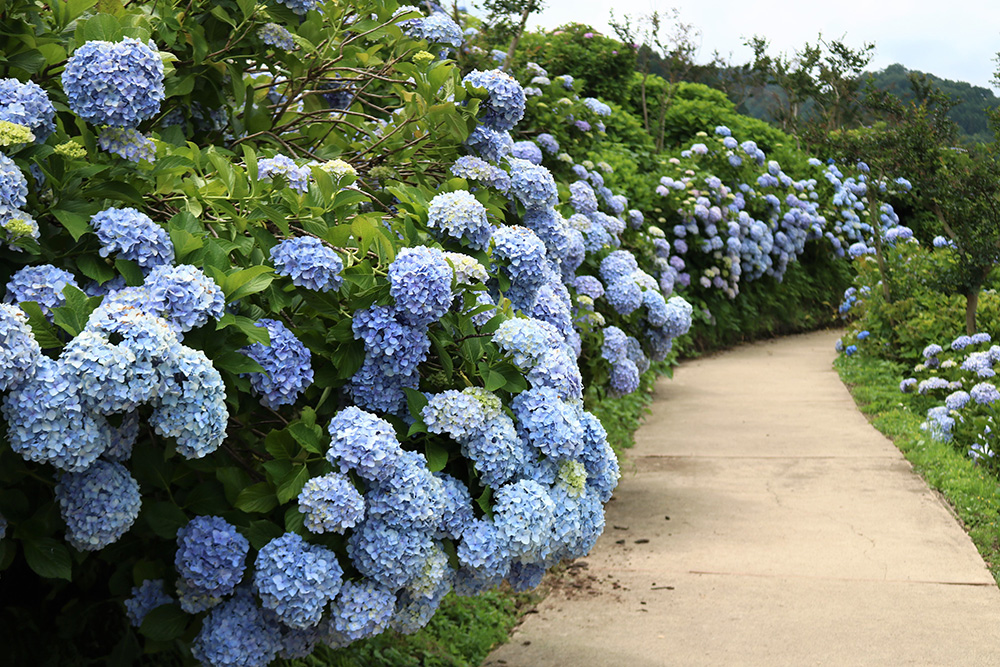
191	407
277	36
132	235
549	423
437	28
461	216
98	504
185	296
146	597
287	364
528	151
281	165
391	556
985	393
26	103
42	284
210	556
309	263
420	282
296	579
331	504
19	351
475	168
392	347
114	83
236	633
127	143
523	514
504	105
362	609
364	443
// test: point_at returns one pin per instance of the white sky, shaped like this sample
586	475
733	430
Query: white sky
952	39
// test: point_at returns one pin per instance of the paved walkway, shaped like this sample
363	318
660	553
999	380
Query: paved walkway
761	520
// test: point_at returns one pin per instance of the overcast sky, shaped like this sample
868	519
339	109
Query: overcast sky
953	40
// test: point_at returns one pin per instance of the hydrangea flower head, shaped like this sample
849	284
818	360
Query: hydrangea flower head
27	104
364	443
420	282
19	351
438	28
236	633
532	184
296	579
277	36
114	83
287	364
309	263
185	296
191	406
460	215
504	105
98	505
281	165
132	235
210	555
13	185
145	598
127	143
331	504
42	284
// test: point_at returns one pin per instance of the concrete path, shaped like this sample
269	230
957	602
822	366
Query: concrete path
761	520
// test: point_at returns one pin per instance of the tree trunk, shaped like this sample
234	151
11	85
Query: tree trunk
645	110
530	7
971	304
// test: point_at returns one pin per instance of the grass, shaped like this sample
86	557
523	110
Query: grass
973	491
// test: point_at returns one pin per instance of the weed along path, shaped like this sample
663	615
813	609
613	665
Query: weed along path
761	520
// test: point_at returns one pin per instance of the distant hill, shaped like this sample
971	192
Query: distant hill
969	114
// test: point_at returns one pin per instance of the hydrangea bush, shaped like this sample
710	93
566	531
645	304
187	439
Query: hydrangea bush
291	337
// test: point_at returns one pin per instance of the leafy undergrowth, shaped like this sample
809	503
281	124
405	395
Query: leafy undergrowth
622	416
973	491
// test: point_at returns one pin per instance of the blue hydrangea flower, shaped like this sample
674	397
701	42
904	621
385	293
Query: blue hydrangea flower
309	263
527	150
132	235
42	284
549	423
939	424
371	389
362	609
391	556
114	83
526	339
460	215
624	295
127	143
281	165
619	264
19	351
277	36
392	347
614	348
185	296
548	143
105	374
624	378
496	451
191	406
26	103
13	185
331	504
236	633
301	7
210	555
525	256
478	169
504	104
524	514
420	282
483	550
558	370
287	366
414	609
957	400
437	28
47	421
145	598
984	393
296	579
457	507
98	504
491	144
411	499
532	184
364	443
459	413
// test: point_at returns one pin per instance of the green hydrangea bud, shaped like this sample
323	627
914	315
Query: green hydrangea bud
422	58
574	475
17	228
382	173
71	149
12	134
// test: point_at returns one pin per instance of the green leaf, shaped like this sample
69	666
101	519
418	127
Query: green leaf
310	437
437	456
73	315
254	333
77	225
236	362
49	558
415	401
485	502
130	271
258	498
94	268
494	380
44	333
165	518
101	27
245	282
164	623
291	485
261	532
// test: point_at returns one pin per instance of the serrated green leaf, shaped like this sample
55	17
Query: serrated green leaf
76	224
245	282
309	437
236	362
261	532
234	480
49	558
72	316
415	401
485	502
164	518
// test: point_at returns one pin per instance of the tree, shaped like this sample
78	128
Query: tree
507	19
673	51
